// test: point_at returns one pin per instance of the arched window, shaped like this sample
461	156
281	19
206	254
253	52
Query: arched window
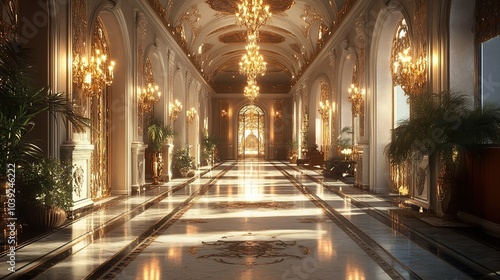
251	132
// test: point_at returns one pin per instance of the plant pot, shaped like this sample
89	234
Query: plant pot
44	217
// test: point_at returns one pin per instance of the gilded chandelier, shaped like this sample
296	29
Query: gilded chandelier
252	14
93	73
252	63
251	90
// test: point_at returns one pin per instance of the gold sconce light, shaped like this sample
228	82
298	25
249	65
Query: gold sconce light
191	115
150	94
224	109
175	109
356	97
148	97
411	75
324	110
94	73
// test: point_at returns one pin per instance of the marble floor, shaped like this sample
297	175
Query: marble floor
256	219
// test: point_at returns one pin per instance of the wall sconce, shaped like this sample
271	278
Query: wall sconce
94	73
356	97
175	109
412	76
224	109
324	110
191	114
278	115
224	114
148	97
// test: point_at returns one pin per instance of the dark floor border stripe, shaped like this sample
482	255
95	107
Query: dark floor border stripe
452	257
395	269
114	265
50	259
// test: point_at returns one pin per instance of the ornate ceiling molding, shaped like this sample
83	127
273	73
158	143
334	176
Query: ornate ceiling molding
240	36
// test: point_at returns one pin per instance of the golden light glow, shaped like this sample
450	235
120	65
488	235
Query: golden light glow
191	115
252	14
324	110
251	90
409	73
175	109
356	97
94	73
148	97
252	63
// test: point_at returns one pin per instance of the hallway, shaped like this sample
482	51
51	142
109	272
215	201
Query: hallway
256	220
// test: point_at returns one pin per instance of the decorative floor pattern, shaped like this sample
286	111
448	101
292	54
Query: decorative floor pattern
256	220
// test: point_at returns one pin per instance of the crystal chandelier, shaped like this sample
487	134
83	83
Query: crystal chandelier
252	63
94	73
252	14
175	109
251	90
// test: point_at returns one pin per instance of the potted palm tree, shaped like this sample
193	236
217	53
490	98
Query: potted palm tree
443	127
21	101
158	134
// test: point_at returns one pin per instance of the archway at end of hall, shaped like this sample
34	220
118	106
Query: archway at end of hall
251	137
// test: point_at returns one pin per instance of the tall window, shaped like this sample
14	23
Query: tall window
490	72
251	132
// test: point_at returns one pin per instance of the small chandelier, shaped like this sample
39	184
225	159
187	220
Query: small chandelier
94	73
252	63
175	109
356	97
148	97
412	76
251	90
324	110
252	14
191	115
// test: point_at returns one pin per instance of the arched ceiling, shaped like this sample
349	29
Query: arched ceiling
208	33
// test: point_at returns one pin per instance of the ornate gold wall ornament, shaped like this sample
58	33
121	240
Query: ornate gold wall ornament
487	20
240	37
409	73
191	16
99	134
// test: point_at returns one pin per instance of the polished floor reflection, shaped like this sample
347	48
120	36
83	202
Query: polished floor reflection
261	220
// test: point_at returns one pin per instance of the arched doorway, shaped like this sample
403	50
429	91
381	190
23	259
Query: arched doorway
251	136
